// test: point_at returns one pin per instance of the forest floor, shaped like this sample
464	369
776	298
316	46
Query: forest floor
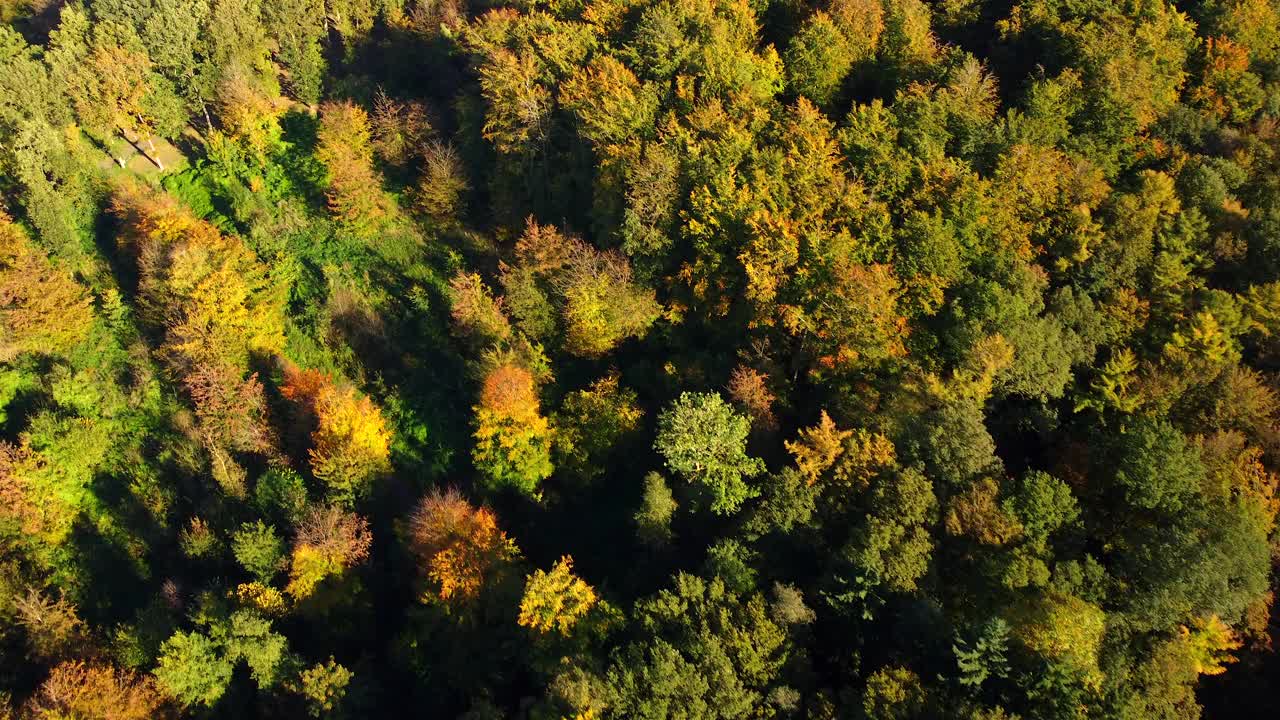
138	157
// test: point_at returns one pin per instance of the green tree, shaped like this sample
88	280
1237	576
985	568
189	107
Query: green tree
703	440
893	545
259	550
590	422
657	506
297	27
192	670
707	652
818	59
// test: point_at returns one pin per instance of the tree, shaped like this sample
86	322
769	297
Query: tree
258	549
96	691
1063	629
600	303
818	59
985	656
350	442
249	113
892	546
235	41
518	106
441	192
894	693
45	309
329	541
477	316
590	422
749	389
1229	90
232	410
346	151
856	320
611	104
192	671
555	600
324	686
458	545
513	440
1210	643
657	506
53	627
1156	468
705	441
248	636
109	92
298	29
976	514
215	300
817	448
706	652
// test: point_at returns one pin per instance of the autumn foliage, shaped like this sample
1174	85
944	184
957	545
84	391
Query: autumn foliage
44	309
329	541
96	691
459	546
512	437
555	600
212	296
350	442
346	150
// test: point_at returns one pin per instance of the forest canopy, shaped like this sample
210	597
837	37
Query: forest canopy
639	359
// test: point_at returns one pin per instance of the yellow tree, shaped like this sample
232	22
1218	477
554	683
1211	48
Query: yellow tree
1209	643
215	299
248	112
477	316
555	600
346	151
350	443
1064	629
42	308
817	448
96	691
109	91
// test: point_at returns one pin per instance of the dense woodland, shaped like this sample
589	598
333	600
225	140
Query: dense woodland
593	359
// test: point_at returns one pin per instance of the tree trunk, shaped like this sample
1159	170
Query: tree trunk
155	156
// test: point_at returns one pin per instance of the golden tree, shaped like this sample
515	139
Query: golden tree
555	600
42	308
96	691
477	316
1209	643
346	151
817	448
215	299
350	441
